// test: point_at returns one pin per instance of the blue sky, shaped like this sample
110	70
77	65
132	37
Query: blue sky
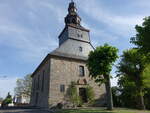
29	30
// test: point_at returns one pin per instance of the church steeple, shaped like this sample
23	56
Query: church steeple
72	17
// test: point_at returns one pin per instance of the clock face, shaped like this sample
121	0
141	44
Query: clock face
73	10
79	34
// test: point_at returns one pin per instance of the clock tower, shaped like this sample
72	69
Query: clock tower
74	40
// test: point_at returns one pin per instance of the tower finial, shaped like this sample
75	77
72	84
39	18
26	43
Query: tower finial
72	17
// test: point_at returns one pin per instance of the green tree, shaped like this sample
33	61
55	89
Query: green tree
146	74
147	98
127	88
100	63
23	86
7	100
142	39
133	65
116	96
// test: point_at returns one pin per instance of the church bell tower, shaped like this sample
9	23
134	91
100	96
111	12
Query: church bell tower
74	40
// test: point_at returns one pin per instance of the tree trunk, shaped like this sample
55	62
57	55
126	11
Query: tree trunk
140	92
108	93
141	100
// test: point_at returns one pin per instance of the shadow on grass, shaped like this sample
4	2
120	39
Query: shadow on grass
85	111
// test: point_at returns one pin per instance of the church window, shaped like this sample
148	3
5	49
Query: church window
81	70
80	35
42	89
62	88
80	49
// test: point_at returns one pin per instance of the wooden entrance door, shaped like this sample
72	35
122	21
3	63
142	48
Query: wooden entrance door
82	94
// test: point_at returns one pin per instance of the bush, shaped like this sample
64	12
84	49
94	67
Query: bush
8	100
73	95
90	94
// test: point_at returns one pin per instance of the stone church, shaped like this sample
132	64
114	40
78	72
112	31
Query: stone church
64	65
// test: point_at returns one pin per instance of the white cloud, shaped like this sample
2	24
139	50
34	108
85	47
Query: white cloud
120	24
100	35
28	37
25	40
58	11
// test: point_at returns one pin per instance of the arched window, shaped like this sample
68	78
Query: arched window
81	71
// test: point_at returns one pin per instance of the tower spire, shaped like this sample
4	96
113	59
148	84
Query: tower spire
72	16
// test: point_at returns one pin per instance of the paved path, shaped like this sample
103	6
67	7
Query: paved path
24	111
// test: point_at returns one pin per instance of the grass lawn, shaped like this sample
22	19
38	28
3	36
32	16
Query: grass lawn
94	110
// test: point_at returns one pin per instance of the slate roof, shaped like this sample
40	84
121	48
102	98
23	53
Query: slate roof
59	54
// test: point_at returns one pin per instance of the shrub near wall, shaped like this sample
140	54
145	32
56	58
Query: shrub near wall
90	94
75	98
73	95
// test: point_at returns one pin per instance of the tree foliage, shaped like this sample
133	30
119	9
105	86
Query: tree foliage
23	86
125	95
142	38
128	92
133	66
116	96
7	100
147	98
146	76
100	62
